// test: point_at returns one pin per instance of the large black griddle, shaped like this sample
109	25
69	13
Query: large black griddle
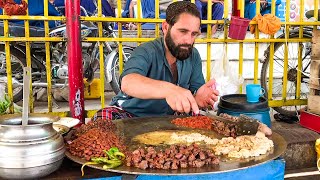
129	128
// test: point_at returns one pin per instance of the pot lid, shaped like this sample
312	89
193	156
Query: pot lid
238	102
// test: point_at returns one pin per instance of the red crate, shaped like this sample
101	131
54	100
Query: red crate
310	121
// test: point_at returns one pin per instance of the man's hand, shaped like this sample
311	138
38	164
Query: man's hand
206	95
182	100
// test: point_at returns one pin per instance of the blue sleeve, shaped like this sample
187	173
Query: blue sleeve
36	8
277	2
148	9
125	12
197	79
106	9
59	2
89	6
52	10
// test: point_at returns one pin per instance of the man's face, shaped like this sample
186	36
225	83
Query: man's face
180	37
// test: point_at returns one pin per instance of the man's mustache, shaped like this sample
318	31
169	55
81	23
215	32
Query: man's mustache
185	45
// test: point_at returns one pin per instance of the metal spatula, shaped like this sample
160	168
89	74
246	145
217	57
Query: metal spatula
26	92
243	125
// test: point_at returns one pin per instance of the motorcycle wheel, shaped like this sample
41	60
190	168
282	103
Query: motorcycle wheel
115	82
17	64
278	68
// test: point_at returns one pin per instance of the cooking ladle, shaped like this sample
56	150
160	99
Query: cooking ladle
26	93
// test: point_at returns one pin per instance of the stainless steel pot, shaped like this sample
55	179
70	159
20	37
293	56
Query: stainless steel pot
31	151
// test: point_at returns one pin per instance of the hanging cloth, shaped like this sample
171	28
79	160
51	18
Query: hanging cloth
268	24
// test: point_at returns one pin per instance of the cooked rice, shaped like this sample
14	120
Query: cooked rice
239	147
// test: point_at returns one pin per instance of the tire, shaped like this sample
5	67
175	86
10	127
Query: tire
115	82
17	63
277	76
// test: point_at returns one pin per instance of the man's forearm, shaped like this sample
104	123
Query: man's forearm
138	86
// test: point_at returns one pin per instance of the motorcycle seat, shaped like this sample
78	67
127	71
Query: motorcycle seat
17	30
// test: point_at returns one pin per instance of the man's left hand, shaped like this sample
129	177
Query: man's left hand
206	95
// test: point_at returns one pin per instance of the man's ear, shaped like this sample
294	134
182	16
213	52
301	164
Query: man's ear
165	27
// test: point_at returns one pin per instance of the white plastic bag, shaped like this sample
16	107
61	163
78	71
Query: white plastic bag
227	79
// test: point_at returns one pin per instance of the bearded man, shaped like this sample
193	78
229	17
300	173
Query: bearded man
164	76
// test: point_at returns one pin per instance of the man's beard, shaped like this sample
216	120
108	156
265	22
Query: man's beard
177	51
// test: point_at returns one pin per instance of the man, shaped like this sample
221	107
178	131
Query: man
147	11
217	12
90	6
165	75
265	8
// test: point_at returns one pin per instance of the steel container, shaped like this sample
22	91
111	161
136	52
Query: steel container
31	151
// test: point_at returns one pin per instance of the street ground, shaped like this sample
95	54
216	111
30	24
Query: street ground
90	104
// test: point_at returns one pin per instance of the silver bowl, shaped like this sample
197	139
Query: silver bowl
31	151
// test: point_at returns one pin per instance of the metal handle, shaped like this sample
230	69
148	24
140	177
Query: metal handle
26	93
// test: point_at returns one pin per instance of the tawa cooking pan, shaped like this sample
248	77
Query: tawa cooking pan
129	128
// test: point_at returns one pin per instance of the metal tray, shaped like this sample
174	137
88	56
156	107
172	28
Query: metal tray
129	128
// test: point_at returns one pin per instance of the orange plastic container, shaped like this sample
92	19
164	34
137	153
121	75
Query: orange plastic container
238	27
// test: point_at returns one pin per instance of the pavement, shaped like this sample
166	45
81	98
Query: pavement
63	106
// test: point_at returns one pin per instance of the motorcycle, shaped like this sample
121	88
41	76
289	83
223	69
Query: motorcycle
58	58
111	57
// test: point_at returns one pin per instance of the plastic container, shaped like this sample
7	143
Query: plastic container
93	91
238	27
236	104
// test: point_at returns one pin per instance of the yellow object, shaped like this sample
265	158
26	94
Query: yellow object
268	24
317	147
92	91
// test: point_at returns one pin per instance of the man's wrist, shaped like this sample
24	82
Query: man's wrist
194	93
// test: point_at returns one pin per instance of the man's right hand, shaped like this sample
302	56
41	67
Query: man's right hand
178	98
182	100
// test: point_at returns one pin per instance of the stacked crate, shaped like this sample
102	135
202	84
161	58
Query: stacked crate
314	83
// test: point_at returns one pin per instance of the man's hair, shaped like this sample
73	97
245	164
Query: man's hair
176	8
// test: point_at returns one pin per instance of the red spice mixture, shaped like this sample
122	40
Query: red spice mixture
91	139
197	122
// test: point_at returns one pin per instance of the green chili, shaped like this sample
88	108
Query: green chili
119	155
114	159
108	166
99	159
87	163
